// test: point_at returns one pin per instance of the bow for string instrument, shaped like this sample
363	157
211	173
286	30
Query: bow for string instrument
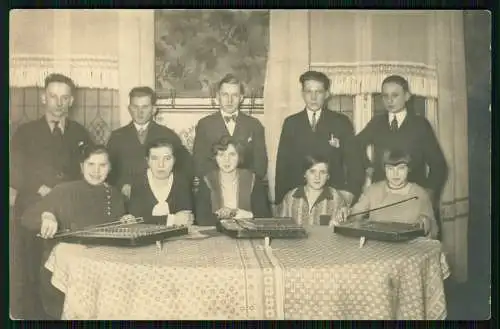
382	231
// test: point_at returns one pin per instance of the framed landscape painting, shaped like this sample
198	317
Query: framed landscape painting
194	49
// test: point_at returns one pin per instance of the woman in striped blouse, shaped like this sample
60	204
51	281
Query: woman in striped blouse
308	203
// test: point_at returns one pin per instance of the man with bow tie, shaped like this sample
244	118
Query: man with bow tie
229	120
127	145
43	154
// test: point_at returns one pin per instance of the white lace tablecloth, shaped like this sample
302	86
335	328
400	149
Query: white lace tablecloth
323	277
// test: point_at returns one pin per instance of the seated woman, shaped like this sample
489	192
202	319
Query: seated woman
393	189
307	204
230	192
162	197
74	205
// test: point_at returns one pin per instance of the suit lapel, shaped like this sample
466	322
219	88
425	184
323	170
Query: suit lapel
220	125
240	126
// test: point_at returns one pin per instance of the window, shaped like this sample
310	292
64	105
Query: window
343	104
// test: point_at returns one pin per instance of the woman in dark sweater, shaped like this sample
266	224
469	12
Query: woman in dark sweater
230	192
162	196
74	205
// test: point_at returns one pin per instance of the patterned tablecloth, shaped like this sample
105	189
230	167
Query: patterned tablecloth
215	277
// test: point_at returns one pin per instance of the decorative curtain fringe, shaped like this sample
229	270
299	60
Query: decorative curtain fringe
365	78
86	72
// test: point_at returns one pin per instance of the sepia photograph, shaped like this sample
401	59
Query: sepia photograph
202	164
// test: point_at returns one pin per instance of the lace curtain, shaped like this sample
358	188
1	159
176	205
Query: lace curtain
357	50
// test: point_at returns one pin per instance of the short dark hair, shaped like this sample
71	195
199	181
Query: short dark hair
58	77
397	79
223	144
157	143
394	157
311	160
231	79
87	150
316	76
141	92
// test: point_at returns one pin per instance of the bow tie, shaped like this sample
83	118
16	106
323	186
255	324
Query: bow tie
228	118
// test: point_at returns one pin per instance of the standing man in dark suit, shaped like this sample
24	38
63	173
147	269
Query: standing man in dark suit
400	128
318	131
127	145
43	154
230	121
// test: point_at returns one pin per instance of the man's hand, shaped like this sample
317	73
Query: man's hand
430	193
44	190
49	225
425	224
126	189
12	196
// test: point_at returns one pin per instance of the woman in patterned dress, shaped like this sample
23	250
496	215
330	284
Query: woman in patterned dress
308	203
229	191
74	205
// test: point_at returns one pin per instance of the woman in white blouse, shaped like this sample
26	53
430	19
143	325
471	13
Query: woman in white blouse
162	196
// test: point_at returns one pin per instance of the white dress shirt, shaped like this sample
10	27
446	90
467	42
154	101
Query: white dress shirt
400	116
140	128
310	116
62	124
231	125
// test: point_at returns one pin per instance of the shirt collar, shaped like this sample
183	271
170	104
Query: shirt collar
310	114
224	114
139	127
62	123
325	194
402	191
400	116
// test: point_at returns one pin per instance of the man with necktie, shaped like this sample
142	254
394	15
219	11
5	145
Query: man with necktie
43	154
400	128
317	131
127	145
229	120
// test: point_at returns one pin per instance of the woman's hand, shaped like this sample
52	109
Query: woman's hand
127	219
49	225
181	218
243	214
342	214
225	213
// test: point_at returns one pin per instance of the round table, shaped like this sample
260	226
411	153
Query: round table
207	275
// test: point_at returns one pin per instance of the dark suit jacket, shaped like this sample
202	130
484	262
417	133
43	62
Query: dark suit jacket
37	158
333	139
142	199
415	136
128	155
249	132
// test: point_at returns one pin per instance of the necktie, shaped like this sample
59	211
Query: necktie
313	121
229	118
394	124
141	133
56	131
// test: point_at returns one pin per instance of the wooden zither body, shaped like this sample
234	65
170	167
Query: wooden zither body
276	228
128	235
382	231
